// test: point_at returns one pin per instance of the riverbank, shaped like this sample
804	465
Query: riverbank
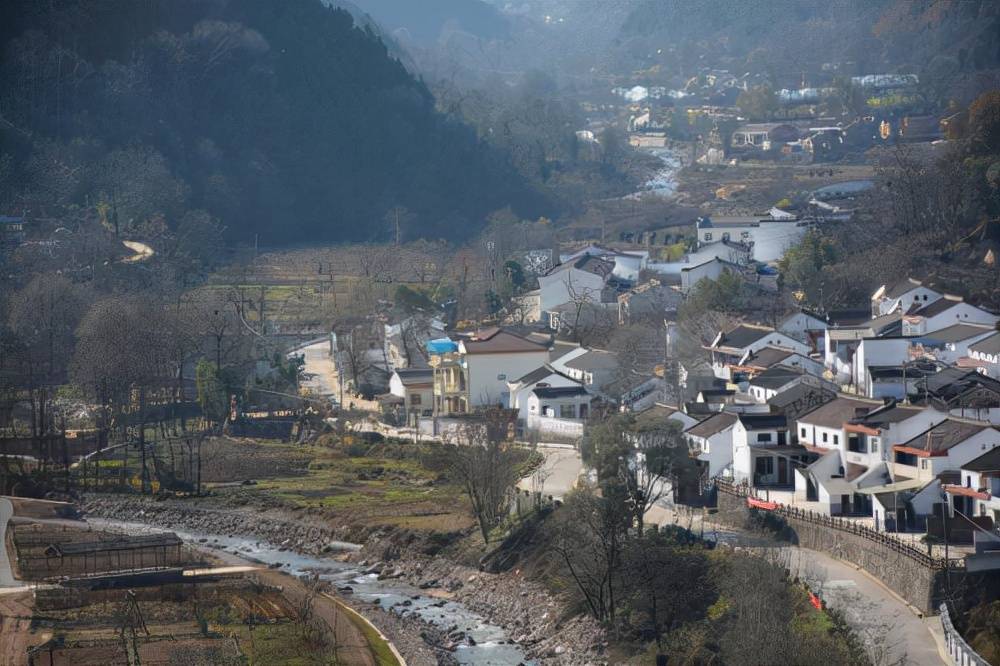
529	617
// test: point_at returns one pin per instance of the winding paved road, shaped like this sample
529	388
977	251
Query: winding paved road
877	614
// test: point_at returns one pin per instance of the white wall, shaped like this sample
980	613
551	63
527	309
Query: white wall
488	374
569	285
519	396
716	450
877	351
919	295
770	238
710	270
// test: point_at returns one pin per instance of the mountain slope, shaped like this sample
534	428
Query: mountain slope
282	119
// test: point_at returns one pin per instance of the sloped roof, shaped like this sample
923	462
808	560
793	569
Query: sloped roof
415	376
902	287
743	336
937	307
560	391
776	376
594	359
498	341
763	421
990	345
959	332
943	436
888	414
988	462
837	412
588	263
712	425
801	392
769	356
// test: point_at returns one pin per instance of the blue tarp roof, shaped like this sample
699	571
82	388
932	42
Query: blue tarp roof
441	346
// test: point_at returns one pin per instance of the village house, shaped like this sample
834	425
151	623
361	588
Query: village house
762	136
942	313
627	263
754	363
558	410
711	443
806	327
902	296
800	399
978	491
595	368
533	407
986	355
472	371
768	237
764	456
650	300
946	446
779	378
415	387
711	269
581	280
951	344
843	337
728	348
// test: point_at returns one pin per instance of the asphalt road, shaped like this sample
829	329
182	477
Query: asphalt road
880	617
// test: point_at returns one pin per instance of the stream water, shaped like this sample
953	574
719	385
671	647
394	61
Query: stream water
492	645
664	180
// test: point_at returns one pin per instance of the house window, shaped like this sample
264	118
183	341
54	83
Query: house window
836	439
763	437
415	399
923	464
825	436
803	430
765	465
567	411
708	236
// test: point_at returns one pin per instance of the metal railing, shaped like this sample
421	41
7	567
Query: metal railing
849	527
961	653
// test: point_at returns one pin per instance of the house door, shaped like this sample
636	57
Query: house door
782	471
583	412
782	438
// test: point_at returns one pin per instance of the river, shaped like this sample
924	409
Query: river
663	182
492	645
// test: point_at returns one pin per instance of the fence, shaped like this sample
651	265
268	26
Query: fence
960	652
850	527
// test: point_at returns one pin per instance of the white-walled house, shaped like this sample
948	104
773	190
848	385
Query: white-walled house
804	326
627	263
580	280
952	343
978	490
728	348
520	389
558	410
763	455
711	443
944	312
595	368
888	351
416	387
780	378
945	446
768	357
710	269
986	352
472	371
841	343
770	238
902	296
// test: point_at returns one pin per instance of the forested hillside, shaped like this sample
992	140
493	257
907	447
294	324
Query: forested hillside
278	118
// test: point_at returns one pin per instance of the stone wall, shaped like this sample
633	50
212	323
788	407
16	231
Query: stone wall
920	585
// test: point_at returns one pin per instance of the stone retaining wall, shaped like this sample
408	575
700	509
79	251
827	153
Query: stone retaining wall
919	585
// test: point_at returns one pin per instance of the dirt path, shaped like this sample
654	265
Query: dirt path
15	628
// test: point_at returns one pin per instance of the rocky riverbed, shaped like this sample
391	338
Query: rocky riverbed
529	615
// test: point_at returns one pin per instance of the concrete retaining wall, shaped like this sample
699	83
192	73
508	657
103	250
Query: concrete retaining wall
919	585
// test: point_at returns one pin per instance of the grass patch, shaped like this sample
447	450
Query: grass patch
380	647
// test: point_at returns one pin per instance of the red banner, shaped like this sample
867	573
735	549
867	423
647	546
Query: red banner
761	504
